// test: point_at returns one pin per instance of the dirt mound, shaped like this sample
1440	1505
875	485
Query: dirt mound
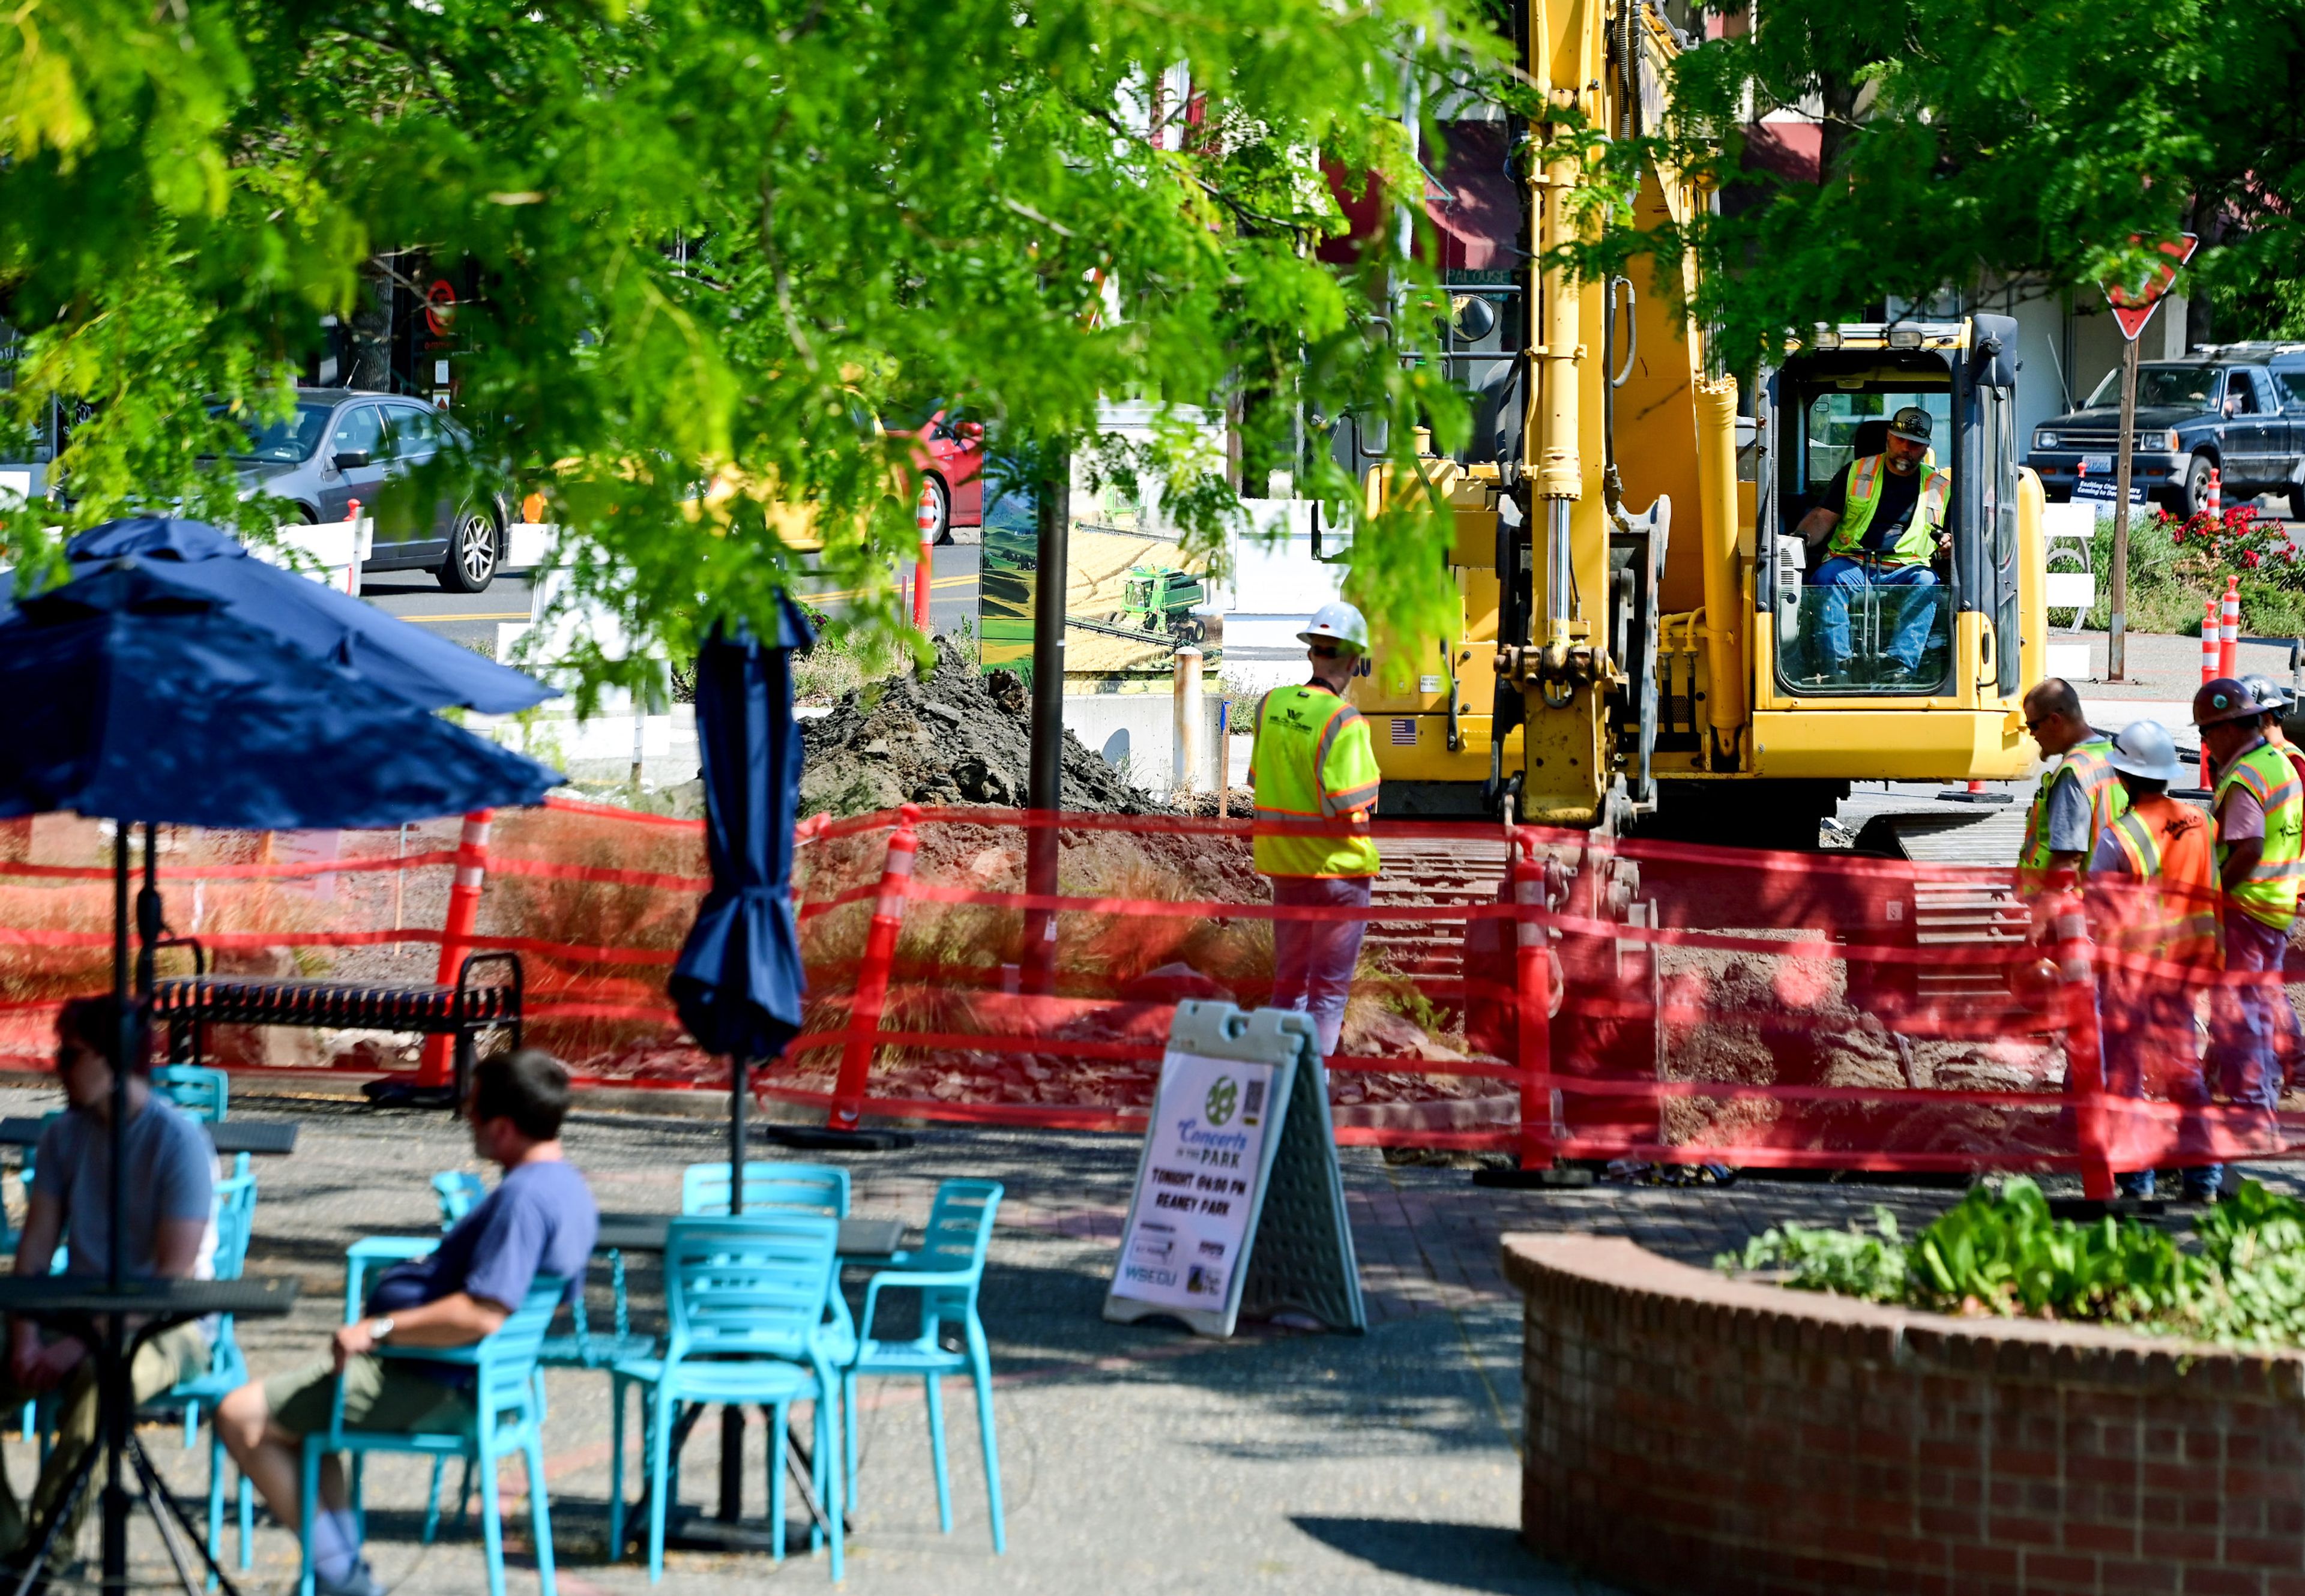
955	737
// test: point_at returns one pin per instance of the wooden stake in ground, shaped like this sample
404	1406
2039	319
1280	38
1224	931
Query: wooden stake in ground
2117	644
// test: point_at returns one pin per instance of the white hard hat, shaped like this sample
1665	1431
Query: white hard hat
2146	750
1338	623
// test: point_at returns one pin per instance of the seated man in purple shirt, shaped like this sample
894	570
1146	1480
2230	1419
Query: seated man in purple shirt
540	1220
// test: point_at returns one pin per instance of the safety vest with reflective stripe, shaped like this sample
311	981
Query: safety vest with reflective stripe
2087	762
2269	895
1311	763
1915	544
2167	844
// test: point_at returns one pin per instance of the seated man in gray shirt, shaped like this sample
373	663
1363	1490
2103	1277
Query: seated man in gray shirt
169	1217
540	1220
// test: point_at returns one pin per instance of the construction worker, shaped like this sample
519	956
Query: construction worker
1880	521
2078	797
1316	782
2260	811
2154	893
2277	700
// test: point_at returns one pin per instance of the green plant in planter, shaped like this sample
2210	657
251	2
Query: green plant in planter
1850	1262
2253	1248
2005	1252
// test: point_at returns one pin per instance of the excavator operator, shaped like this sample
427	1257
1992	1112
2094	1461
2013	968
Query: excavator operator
1881	521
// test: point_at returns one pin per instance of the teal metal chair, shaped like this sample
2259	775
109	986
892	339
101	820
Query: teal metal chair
204	1093
704	1187
460	1192
744	1297
227	1369
947	1270
814	1188
584	1347
508	1418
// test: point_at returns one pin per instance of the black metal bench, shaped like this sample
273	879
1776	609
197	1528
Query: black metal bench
188	1004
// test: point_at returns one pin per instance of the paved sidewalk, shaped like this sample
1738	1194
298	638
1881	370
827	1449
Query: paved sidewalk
1135	1458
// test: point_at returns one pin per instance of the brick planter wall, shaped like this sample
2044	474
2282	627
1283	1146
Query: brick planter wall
1690	1434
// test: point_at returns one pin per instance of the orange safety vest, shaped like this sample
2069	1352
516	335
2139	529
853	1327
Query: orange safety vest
2171	914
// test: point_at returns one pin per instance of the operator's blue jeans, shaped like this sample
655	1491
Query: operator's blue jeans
1313	960
1840	573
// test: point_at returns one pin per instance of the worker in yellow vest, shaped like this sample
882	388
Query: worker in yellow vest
1880	521
2080	794
2260	814
1316	783
2153	896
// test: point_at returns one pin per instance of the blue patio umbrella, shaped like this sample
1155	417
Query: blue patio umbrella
135	697
738	982
426	670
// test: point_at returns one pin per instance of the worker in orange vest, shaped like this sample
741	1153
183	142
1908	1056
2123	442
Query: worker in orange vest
2154	890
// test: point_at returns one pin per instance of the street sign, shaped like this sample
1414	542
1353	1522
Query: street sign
2133	310
1239	1151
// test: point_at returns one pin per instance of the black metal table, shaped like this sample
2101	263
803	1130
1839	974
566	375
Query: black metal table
269	1138
112	1323
861	1241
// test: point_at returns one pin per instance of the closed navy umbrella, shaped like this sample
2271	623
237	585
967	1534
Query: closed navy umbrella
426	670
133	697
738	982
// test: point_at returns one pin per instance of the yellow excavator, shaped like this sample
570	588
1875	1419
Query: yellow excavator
1641	643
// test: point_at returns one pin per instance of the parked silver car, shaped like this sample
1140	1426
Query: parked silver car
339	445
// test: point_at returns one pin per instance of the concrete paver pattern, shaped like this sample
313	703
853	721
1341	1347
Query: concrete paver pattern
1135	1458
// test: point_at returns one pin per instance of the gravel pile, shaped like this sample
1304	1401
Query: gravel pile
957	737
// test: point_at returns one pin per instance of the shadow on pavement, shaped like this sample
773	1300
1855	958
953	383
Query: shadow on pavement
1465	1557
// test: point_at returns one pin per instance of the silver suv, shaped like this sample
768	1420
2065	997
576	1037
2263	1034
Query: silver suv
339	446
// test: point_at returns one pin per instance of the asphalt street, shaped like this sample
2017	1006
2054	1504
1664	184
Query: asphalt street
471	618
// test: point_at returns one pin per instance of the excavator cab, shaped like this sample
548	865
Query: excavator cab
1867	587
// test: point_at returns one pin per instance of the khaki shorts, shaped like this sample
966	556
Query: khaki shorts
386	1394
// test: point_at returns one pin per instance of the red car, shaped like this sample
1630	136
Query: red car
950	458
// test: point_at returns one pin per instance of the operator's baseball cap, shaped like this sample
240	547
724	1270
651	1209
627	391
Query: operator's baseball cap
1911	424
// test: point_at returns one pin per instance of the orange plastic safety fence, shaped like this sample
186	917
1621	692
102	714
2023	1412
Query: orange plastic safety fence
1810	1010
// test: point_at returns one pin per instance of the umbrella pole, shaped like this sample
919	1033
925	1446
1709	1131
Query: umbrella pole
737	1131
111	1406
732	1415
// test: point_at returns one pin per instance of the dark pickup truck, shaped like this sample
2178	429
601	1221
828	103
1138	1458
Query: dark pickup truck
2238	410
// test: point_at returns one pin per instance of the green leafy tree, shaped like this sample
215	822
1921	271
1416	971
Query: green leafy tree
714	240
1963	142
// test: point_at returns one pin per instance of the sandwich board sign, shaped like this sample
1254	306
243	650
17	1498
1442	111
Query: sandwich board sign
1239	1208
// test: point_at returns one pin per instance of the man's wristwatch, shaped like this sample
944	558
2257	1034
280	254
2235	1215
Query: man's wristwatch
381	1329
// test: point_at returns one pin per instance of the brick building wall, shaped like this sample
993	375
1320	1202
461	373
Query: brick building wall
1691	1434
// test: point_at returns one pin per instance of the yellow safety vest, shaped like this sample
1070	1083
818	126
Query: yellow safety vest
1918	539
2087	762
2269	895
1312	765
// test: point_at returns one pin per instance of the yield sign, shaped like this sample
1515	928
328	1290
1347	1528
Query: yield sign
2133	310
